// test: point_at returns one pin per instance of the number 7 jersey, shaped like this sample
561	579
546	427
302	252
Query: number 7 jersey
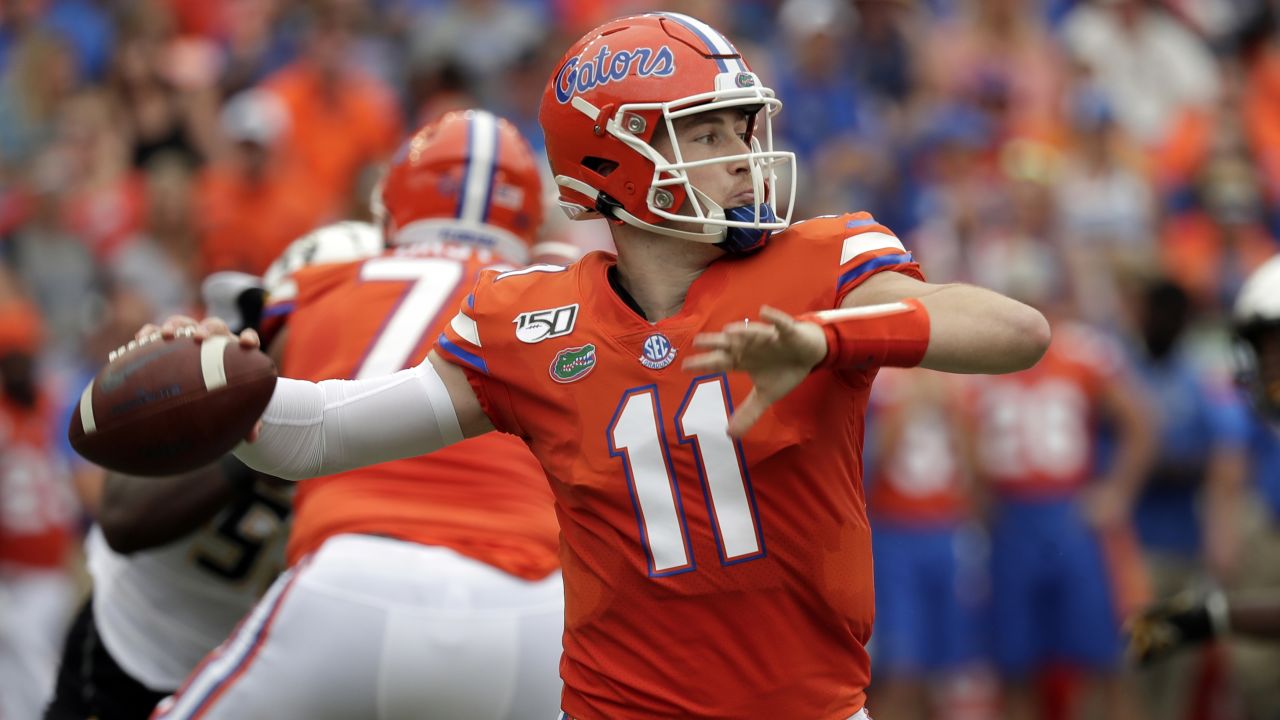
704	577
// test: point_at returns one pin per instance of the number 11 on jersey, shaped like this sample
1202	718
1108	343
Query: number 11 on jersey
637	435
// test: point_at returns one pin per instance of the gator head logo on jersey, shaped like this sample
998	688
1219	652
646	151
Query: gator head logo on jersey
573	363
657	352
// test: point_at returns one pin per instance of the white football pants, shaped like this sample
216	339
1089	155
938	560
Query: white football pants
35	607
376	628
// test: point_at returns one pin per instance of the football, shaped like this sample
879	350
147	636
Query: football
163	407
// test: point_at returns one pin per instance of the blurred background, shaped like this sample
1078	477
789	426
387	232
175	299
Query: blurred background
1113	162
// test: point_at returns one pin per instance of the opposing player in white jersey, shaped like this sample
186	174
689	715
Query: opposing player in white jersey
178	561
428	587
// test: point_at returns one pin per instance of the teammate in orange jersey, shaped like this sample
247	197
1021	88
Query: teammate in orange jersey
708	574
1064	560
37	515
927	555
422	587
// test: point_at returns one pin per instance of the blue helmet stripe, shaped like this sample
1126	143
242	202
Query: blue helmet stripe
716	43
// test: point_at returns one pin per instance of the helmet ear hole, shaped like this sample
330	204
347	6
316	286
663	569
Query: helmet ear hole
600	166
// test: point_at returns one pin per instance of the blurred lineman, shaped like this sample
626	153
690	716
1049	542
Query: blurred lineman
176	563
37	512
926	556
423	586
1189	514
174	569
698	516
1252	608
1055	527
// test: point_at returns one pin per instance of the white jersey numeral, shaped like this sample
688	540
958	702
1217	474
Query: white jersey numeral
1042	429
434	281
637	435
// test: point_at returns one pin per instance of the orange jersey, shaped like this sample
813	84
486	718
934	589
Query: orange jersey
704	577
485	498
37	507
1035	429
919	475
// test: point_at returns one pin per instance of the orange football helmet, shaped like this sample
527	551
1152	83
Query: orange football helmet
610	93
468	176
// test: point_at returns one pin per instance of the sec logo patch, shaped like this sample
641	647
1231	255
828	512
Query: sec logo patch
657	352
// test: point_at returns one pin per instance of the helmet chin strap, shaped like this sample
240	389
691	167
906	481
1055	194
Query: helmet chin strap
738	240
713	237
733	240
710	235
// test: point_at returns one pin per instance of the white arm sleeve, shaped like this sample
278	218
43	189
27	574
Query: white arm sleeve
312	429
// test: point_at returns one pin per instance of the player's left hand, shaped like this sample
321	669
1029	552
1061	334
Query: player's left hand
1168	626
1106	505
777	353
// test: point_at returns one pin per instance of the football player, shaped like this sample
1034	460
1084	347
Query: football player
927	551
37	515
696	399
1057	531
428	586
176	562
1189	619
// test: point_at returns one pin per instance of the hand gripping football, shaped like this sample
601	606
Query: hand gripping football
163	407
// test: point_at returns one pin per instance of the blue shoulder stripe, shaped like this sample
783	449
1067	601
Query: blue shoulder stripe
277	310
872	264
472	360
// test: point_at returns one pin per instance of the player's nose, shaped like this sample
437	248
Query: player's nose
739	165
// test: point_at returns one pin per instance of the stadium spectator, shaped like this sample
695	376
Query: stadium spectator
253	204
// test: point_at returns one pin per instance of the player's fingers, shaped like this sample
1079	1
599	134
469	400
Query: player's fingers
254	432
715	360
783	322
213	325
249	338
746	414
711	341
751	332
147	332
174	325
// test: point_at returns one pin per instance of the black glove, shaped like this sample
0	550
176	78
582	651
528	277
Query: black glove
1168	626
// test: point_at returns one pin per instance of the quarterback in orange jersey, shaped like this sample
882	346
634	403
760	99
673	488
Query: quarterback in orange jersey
434	580
702	441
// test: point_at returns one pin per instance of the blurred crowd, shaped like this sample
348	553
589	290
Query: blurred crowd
1113	162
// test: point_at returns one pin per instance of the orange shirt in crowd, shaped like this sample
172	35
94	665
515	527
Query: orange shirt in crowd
1261	109
246	225
1194	251
341	131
